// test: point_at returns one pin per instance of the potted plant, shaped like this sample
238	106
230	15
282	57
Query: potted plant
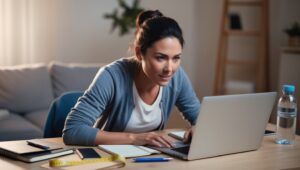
293	33
125	20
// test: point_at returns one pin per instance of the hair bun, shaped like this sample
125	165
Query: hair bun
145	15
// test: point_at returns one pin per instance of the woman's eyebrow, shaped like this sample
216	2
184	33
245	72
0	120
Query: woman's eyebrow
167	55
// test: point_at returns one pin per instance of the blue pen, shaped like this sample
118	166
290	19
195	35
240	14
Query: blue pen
160	159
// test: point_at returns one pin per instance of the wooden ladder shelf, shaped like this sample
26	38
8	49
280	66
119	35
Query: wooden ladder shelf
258	63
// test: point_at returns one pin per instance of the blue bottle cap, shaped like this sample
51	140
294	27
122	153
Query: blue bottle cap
289	88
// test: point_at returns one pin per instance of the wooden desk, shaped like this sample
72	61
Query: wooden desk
269	156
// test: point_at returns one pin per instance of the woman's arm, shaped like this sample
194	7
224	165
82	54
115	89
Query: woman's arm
149	138
79	123
187	101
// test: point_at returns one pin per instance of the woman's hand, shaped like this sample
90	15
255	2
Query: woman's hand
154	139
188	135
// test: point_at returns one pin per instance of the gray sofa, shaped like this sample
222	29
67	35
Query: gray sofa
27	91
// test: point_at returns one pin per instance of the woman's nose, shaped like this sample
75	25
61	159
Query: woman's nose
168	66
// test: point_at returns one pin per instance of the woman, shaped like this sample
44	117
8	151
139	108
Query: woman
137	92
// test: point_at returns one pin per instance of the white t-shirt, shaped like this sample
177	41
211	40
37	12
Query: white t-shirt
144	117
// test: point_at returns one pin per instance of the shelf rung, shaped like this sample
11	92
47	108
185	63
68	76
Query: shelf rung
242	33
241	62
234	87
245	3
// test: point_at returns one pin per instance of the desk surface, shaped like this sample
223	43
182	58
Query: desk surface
268	156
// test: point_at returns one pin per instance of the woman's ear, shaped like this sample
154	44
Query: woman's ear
138	53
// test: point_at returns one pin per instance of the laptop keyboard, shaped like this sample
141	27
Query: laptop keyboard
184	150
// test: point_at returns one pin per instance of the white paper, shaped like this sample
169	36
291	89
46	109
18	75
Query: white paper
178	134
127	151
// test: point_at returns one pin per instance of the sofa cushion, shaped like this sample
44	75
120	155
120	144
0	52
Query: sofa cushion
15	127
3	113
25	88
38	117
72	77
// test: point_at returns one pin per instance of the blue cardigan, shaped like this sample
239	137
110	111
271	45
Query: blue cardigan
111	90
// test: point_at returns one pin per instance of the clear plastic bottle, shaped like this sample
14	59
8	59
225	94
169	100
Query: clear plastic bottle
286	116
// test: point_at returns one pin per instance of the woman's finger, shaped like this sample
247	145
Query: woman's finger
156	143
170	140
187	136
161	140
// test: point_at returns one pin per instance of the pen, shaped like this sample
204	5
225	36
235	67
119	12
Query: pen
160	159
38	145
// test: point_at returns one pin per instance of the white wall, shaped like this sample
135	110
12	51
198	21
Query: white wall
282	13
75	31
208	18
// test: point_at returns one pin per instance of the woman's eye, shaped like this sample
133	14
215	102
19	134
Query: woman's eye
160	58
176	59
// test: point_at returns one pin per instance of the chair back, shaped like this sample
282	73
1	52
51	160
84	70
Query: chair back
58	112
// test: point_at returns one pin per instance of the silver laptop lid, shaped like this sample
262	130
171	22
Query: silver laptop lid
230	124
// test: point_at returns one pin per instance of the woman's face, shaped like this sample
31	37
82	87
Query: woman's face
162	60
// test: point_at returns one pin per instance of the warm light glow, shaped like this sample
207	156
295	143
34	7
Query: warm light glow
14	32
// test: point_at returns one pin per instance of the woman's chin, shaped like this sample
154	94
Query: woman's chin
163	83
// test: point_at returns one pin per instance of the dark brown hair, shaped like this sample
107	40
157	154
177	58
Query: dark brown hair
152	26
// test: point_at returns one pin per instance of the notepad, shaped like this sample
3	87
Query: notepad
22	151
128	151
21	146
36	156
177	135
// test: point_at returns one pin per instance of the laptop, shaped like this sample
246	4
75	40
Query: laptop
227	124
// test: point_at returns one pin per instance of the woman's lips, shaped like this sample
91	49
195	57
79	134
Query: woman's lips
165	77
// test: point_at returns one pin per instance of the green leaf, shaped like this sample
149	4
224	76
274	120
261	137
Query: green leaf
126	20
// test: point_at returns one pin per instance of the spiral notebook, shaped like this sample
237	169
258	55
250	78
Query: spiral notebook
128	151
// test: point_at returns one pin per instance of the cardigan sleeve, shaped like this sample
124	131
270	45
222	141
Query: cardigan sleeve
79	123
187	102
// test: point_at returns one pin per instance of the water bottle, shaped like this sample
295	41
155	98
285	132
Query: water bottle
286	116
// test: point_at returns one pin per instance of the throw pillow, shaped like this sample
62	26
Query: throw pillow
72	77
25	88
